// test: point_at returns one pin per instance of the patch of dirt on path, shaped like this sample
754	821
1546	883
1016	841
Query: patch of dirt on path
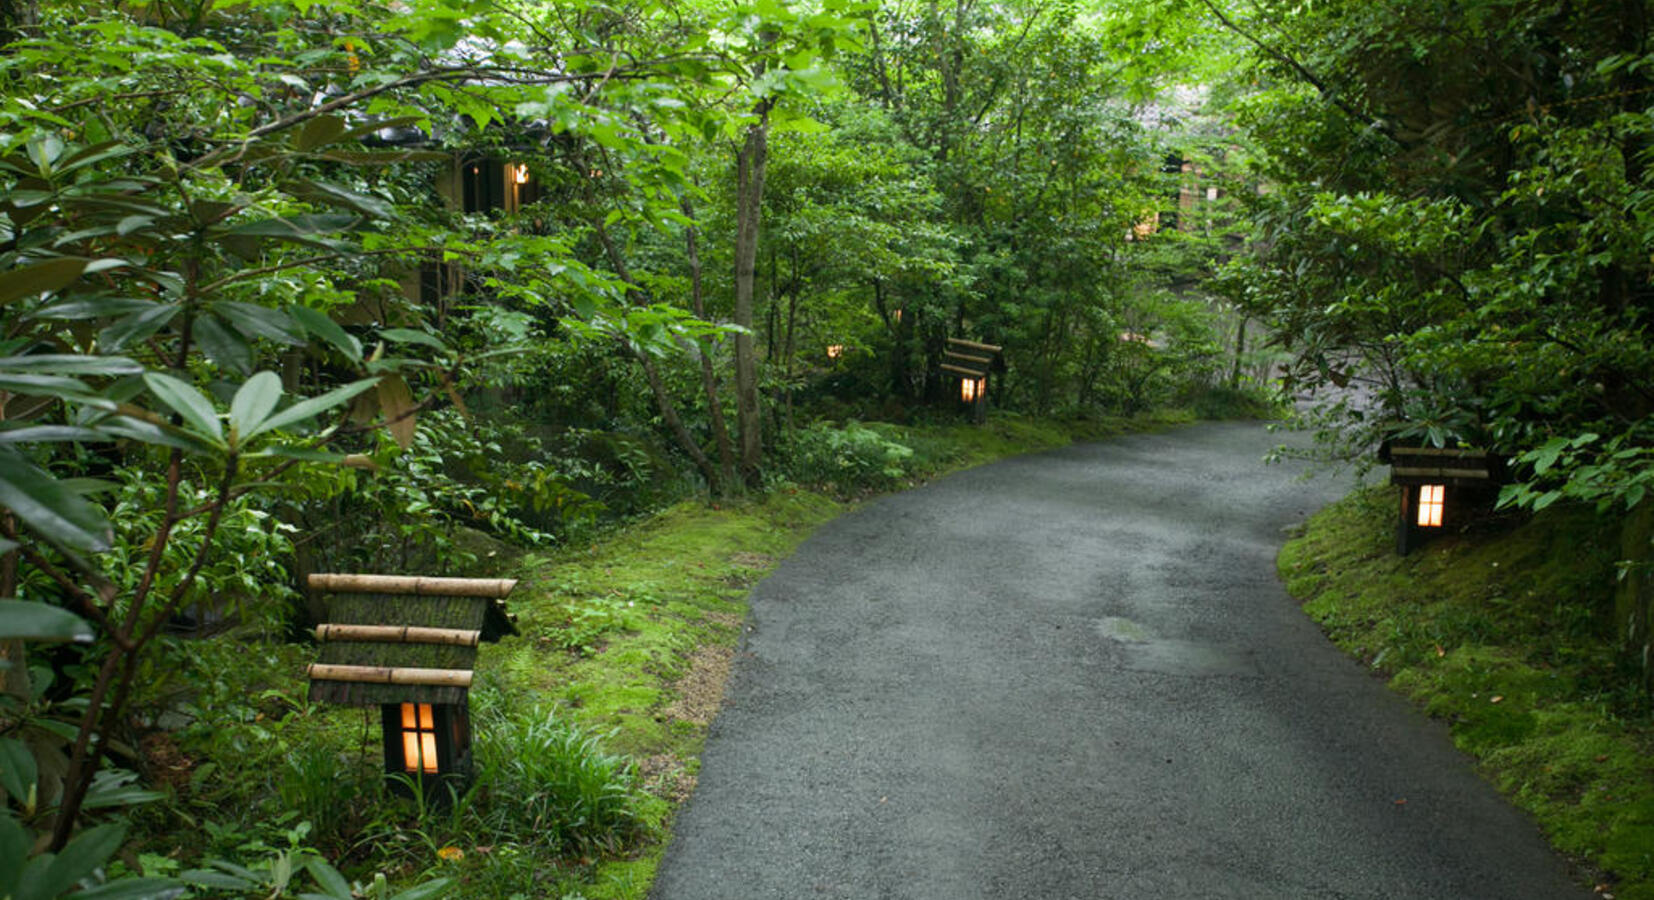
701	689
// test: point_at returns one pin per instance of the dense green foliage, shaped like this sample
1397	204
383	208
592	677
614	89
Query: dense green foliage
1461	223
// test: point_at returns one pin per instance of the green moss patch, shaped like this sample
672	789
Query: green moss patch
1507	634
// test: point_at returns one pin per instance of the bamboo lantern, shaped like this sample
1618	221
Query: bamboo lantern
834	351
408	645
971	388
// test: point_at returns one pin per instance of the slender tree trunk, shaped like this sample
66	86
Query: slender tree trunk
709	376
1240	352
751	160
663	400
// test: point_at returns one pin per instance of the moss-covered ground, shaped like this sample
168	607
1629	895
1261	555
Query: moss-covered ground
1504	632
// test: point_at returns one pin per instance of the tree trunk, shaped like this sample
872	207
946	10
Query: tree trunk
751	160
709	377
1240	351
663	400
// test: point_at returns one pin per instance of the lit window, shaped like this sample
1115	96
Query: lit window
1431	499
418	738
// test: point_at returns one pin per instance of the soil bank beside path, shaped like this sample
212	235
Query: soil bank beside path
1075	675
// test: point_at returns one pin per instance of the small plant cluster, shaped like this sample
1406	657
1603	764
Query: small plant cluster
850	459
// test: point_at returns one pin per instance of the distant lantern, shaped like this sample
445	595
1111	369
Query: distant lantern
970	362
834	351
898	317
520	174
1439	488
407	646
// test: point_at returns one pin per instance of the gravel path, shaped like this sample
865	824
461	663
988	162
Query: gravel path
1075	675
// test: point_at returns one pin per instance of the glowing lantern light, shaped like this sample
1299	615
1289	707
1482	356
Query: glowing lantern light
1432	500
834	351
971	388
520	174
418	738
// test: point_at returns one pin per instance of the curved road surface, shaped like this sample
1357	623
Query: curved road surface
1075	675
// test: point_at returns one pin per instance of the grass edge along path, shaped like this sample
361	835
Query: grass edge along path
1503	634
633	636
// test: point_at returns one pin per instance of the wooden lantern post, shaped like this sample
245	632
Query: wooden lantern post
1438	489
408	645
971	362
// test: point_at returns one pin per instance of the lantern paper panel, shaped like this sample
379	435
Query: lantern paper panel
1432	502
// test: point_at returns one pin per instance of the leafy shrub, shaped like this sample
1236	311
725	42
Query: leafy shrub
854	457
458	473
1222	402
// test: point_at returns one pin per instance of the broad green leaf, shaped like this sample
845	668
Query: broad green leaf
95	308
318	324
424	891
84	854
309	409
134	889
43	385
41	622
253	320
71	364
182	397
410	336
46	506
113	788
124	426
295	227
17	769
333	195
43	434
14	853
51	275
215	879
254	401
137	326
222	344
328	878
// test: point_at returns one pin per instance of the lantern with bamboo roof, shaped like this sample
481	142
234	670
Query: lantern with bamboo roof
408	646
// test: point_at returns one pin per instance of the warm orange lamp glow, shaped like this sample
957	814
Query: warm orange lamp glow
418	738
1432	499
970	389
520	174
834	351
